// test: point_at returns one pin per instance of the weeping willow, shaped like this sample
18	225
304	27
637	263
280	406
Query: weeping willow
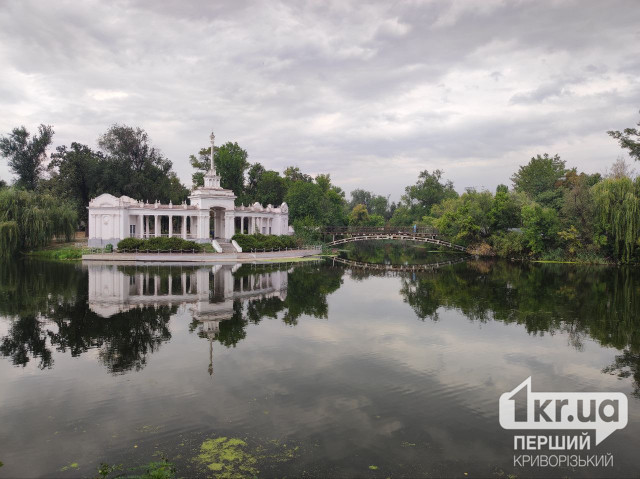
618	205
31	220
8	237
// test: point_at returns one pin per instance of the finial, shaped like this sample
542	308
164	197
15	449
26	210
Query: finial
212	137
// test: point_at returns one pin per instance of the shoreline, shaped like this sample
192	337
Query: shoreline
200	257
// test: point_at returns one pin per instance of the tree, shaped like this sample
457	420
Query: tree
505	210
621	169
578	209
418	199
3	184
304	200
617	203
375	204
359	216
134	168
131	146
540	227
76	175
29	219
231	163
538	178
293	173
464	219
26	154
271	189
253	177
629	139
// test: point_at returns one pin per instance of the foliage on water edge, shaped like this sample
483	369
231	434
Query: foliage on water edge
162	469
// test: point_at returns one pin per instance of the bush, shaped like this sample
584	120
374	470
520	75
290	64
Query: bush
481	249
259	241
108	248
130	243
159	243
509	245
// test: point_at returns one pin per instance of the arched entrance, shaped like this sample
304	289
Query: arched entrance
216	222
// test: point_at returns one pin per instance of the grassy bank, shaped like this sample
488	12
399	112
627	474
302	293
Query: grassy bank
60	252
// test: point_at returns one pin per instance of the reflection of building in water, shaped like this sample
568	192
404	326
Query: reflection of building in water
209	291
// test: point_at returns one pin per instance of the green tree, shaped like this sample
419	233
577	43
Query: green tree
293	173
231	164
30	220
629	139
26	154
418	199
359	216
375	204
464	219
305	200
505	210
540	227
254	174
578	208
271	189
539	178
134	168
76	175
617	203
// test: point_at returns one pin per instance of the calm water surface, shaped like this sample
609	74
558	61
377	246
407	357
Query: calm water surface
319	369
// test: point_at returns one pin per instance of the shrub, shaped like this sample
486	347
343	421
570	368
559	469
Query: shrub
130	243
481	249
259	241
509	245
108	248
159	243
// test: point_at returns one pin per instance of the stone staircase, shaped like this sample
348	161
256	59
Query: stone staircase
227	247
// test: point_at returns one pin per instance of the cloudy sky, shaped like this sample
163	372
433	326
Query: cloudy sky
371	93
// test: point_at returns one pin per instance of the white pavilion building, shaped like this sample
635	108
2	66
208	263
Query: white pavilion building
211	214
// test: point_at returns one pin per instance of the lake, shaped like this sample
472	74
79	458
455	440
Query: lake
305	369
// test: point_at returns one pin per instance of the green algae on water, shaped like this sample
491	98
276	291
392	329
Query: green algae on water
227	458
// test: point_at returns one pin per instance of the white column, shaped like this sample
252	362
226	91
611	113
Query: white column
170	226
184	227
229	224
156	225
146	226
140	226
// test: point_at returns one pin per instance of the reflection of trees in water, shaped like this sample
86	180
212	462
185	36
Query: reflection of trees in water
47	302
308	286
26	339
393	252
596	302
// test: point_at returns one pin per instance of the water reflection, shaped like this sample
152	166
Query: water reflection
124	311
402	372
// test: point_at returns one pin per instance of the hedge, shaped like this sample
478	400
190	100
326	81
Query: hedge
259	241
159	243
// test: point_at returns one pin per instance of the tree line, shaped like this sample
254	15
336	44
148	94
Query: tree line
550	211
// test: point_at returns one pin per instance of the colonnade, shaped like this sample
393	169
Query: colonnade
255	224
187	227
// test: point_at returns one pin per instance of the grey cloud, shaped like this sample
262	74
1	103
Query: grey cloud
331	86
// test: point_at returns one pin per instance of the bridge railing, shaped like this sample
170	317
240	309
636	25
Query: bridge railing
422	230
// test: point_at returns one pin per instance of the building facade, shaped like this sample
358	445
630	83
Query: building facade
211	214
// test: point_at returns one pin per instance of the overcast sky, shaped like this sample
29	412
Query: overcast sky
371	93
